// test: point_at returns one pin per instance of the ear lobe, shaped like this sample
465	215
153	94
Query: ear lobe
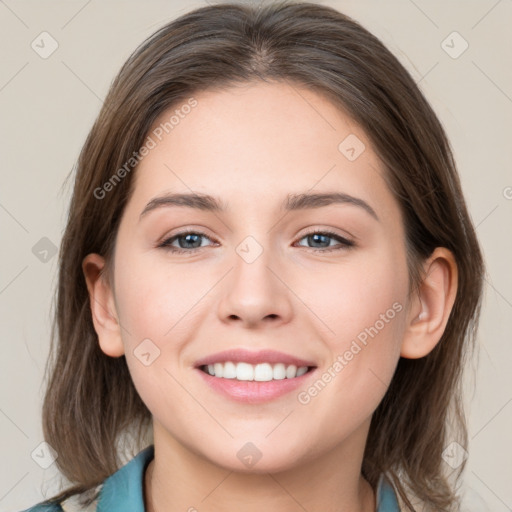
431	308
101	297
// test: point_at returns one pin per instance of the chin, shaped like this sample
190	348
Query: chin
252	457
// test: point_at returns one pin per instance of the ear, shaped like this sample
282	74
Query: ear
104	315
431	307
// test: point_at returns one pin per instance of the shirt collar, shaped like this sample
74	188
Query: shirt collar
123	491
386	497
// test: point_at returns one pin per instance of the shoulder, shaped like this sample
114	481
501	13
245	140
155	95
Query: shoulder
80	502
72	504
122	491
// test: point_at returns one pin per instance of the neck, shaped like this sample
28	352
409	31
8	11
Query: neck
180	480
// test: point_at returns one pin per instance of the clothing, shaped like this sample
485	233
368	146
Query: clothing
123	491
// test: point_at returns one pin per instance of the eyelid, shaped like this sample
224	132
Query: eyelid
335	232
193	228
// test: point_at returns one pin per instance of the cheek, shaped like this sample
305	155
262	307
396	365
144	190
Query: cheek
156	310
364	314
353	298
159	303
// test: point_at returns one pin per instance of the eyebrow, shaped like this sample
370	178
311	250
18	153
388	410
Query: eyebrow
292	202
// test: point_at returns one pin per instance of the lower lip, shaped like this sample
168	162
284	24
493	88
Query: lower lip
254	392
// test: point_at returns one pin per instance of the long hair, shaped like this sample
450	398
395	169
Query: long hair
90	400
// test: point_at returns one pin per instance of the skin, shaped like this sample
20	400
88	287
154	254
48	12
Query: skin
251	146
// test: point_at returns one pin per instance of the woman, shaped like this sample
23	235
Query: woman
272	370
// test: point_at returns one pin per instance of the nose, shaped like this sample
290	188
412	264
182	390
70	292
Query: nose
255	292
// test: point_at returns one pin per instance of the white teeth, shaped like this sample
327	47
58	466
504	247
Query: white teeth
291	371
218	369
280	371
263	372
260	372
302	371
244	371
229	371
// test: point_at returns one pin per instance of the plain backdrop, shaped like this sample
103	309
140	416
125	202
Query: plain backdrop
49	102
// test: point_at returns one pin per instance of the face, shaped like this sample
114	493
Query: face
192	282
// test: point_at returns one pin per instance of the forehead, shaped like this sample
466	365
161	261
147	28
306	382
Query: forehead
255	143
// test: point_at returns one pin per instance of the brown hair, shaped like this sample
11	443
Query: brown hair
91	400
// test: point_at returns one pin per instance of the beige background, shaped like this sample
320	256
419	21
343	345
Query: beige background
48	106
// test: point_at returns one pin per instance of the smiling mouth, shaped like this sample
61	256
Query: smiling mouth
262	372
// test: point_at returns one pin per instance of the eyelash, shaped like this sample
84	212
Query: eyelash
344	243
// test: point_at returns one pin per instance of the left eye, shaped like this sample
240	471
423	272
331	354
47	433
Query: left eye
189	237
190	241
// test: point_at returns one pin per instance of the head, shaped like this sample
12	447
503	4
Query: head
258	106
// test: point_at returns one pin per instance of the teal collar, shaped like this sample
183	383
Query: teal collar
386	496
123	491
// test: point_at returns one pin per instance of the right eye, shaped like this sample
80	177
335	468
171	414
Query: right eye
317	236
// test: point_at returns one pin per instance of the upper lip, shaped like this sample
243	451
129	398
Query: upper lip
240	355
